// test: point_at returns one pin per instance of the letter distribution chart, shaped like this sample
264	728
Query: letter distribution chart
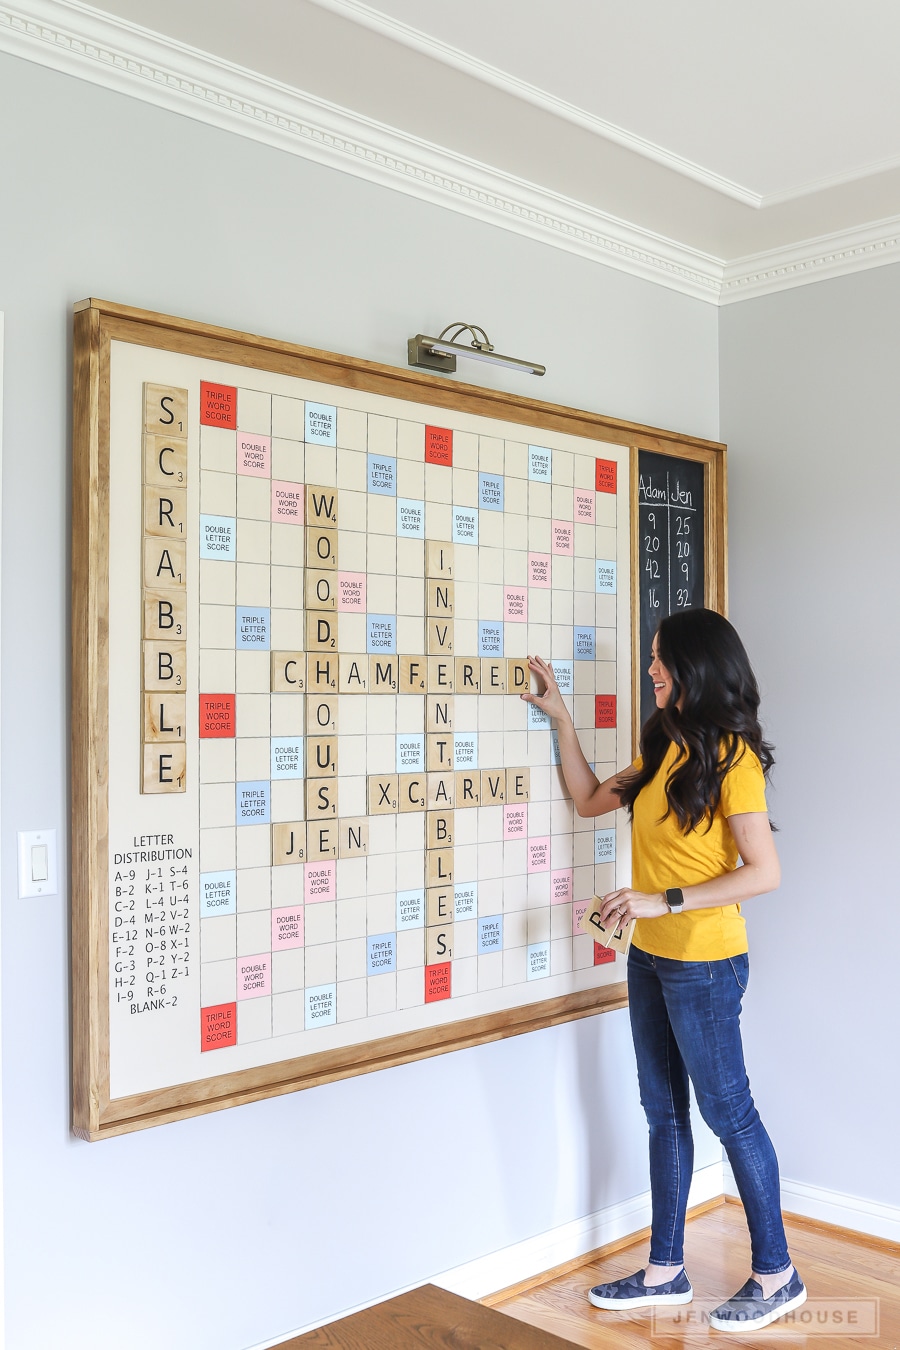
332	818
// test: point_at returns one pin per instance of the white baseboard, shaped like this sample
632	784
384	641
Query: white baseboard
527	1259
847	1211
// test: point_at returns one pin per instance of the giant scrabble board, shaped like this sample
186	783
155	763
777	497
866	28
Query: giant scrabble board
316	827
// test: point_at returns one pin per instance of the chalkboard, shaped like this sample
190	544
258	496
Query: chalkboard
670	553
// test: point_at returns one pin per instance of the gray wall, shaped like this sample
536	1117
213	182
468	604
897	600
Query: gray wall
809	403
198	1234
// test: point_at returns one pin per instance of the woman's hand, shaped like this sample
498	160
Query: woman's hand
551	700
620	907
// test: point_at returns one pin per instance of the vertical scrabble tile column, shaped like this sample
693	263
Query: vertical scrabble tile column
164	589
440	889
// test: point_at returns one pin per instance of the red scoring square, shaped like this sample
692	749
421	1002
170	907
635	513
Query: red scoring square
603	955
604	710
218	405
605	479
218	1026
437	982
438	446
216	715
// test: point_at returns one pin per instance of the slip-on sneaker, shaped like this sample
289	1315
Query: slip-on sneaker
749	1311
631	1292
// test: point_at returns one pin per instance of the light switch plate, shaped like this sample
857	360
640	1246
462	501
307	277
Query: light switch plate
37	858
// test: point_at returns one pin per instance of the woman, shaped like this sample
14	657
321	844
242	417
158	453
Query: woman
696	795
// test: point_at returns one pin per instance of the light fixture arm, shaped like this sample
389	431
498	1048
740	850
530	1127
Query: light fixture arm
485	345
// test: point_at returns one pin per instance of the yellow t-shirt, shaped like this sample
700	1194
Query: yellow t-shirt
664	856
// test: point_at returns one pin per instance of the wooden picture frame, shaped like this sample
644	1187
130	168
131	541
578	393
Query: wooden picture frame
98	325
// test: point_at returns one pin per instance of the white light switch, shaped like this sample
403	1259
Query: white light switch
37	863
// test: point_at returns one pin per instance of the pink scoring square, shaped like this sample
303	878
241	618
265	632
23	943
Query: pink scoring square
254	975
352	592
561	887
584	506
254	454
563	535
515	822
287	502
539	854
318	881
515	605
287	928
578	912
539	570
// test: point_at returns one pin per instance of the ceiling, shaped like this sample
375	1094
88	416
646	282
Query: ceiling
721	148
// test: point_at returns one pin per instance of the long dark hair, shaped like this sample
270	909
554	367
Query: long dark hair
713	682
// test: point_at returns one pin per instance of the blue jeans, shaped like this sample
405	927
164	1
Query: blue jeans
685	1021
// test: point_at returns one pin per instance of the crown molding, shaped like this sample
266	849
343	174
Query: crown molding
830	255
76	39
79	40
426	45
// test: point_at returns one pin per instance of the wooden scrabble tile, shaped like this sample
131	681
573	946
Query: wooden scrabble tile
353	837
439	598
438	752
321	506
321	756
518	676
493	676
438	559
165	461
165	410
321	547
468	788
438	905
518	785
618	939
163	768
439	829
165	665
383	674
439	867
468	675
439	791
439	638
321	589
165	512
321	716
353	673
321	800
412	675
411	789
383	794
164	716
438	944
321	673
493	787
288	672
440	675
165	614
321	631
164	564
288	843
322	838
438	713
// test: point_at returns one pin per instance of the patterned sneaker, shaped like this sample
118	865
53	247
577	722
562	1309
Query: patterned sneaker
749	1311
631	1292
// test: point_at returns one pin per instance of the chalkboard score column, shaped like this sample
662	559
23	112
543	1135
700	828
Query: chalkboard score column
678	547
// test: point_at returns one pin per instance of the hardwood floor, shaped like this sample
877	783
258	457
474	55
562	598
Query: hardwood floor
853	1283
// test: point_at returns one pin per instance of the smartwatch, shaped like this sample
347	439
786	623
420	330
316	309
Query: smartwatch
675	900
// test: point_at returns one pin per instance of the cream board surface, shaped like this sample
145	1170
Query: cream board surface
370	835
